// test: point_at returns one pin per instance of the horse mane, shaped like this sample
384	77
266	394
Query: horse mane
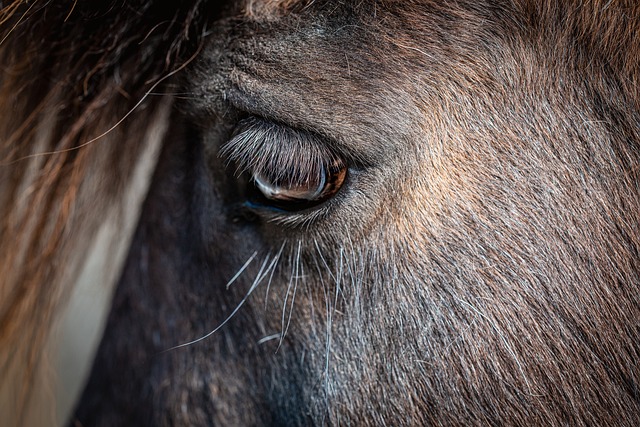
78	110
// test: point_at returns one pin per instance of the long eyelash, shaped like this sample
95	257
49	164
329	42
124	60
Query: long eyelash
277	151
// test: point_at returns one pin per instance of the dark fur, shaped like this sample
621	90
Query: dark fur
480	265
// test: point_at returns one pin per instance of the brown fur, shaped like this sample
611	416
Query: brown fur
479	266
67	79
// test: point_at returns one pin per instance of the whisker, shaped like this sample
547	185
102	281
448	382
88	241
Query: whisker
293	276
330	311
274	262
172	93
269	338
286	298
260	274
254	285
324	261
242	269
295	287
321	277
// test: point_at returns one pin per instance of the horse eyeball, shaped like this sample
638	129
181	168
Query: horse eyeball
300	189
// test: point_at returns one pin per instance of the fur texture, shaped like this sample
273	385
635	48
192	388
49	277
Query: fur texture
478	266
77	115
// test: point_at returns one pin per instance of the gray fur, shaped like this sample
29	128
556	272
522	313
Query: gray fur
478	267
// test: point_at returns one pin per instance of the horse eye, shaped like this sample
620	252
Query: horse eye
297	190
286	169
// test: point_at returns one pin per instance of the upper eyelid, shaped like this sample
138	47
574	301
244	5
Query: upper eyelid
354	144
262	146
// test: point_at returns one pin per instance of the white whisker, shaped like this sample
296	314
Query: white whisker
298	276
274	262
324	261
269	338
254	285
260	274
172	94
320	276
242	269
293	277
329	312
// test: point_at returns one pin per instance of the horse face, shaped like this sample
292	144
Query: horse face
387	213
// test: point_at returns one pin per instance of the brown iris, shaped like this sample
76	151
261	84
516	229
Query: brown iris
298	189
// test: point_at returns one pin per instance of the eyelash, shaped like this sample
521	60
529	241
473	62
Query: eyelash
291	170
277	151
